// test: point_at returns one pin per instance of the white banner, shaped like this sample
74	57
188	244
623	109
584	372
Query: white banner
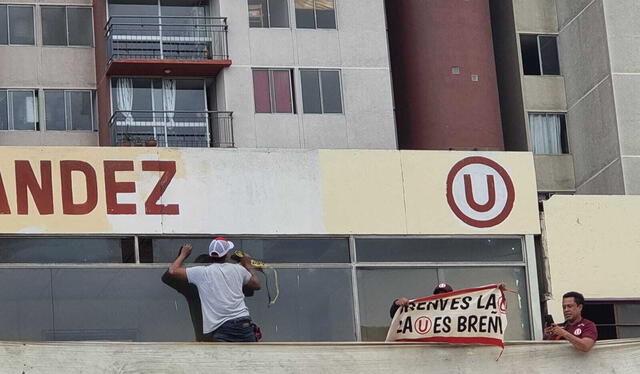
470	316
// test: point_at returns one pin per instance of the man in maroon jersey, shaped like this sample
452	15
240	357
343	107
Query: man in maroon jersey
580	332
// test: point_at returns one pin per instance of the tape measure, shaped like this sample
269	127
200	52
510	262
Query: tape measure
261	266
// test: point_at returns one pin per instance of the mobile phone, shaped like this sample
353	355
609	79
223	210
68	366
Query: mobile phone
548	320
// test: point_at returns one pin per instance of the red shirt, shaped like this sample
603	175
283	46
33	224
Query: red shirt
582	329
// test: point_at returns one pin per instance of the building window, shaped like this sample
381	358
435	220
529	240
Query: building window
315	14
18	110
272	90
268	13
321	91
68	110
67	26
16	24
539	55
548	132
614	319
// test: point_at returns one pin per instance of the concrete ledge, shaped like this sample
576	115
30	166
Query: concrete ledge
619	356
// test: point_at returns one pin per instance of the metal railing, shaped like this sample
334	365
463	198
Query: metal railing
172	129
158	38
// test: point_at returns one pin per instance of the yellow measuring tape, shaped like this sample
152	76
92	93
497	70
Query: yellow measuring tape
261	266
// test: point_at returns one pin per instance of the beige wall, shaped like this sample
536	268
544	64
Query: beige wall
593	244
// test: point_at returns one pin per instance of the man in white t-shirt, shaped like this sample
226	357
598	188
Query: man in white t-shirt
220	287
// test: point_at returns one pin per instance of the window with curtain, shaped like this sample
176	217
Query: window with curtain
315	14
18	110
268	13
548	133
272	90
321	91
68	110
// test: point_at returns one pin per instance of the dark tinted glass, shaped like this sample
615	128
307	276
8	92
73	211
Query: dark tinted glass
310	91
80	113
54	25
80	26
314	305
305	16
4	111
55	109
549	54
438	250
21	25
134	8
258	13
530	57
4	27
325	14
60	250
26	304
278	13
307	250
331	93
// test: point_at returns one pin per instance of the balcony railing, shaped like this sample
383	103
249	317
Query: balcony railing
161	38
172	129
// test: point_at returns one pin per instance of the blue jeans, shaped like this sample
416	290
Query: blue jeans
235	330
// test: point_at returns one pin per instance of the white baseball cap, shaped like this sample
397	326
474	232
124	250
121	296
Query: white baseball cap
219	247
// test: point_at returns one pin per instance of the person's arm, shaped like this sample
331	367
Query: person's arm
397	303
254	282
581	344
177	269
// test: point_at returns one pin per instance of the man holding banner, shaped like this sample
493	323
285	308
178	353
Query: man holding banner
397	303
471	316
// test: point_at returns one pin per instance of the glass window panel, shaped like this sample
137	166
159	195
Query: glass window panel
278	13
261	91
515	278
54	107
282	90
190	95
4	111
60	250
438	250
549	55
314	305
21	25
133	8
81	115
23	109
530	57
258	13
546	131
628	313
54	25
305	17
4	27
302	250
325	14
118	304
310	91
331	93
378	288
628	332
80	26
26	308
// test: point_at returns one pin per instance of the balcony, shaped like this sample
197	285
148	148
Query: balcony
166	46
172	129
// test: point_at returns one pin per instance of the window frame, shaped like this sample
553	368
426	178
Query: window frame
564	136
68	122
539	53
315	17
614	303
268	26
33	25
10	117
272	90
340	87
66	25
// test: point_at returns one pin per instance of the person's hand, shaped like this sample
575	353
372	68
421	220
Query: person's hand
556	329
246	260
402	301
185	250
